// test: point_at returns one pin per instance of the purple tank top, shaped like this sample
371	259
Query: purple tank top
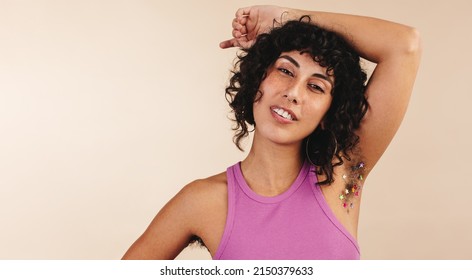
297	224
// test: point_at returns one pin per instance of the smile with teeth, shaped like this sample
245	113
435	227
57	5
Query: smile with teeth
284	114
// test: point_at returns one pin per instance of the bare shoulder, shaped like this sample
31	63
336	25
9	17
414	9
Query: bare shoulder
206	191
197	200
212	185
209	197
196	209
206	199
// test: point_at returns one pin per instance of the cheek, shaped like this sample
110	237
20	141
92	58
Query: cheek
258	106
272	83
264	93
258	96
318	109
325	107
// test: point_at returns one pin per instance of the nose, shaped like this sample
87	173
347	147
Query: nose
291	99
293	94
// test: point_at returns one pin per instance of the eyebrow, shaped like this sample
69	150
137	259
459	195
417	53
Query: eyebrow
318	75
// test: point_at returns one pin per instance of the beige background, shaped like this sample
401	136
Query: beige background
108	108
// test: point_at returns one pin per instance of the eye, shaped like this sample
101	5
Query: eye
285	71
316	88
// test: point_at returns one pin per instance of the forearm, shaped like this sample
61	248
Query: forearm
375	39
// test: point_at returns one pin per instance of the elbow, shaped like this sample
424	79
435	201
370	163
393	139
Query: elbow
412	42
405	44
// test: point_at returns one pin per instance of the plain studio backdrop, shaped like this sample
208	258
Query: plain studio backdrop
108	108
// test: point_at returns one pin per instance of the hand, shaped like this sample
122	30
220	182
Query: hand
251	21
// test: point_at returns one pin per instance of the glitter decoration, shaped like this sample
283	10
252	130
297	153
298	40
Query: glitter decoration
352	188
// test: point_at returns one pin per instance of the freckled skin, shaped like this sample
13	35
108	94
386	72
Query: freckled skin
294	88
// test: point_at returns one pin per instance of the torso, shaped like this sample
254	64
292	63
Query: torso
212	224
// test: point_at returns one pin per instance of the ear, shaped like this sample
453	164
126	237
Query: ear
322	124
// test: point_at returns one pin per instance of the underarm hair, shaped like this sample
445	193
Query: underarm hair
197	241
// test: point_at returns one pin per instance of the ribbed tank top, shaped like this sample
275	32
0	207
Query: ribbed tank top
297	224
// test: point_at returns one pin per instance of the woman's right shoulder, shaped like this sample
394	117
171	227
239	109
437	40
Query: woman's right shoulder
199	207
207	191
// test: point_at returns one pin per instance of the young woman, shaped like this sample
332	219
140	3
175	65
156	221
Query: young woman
318	132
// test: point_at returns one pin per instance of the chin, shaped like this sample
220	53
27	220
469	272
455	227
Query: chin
283	139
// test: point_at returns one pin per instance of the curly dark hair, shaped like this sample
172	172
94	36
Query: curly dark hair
337	138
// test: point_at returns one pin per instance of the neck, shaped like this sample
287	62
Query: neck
270	168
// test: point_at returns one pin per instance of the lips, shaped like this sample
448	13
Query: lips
284	113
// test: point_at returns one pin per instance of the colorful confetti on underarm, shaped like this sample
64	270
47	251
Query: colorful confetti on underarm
353	185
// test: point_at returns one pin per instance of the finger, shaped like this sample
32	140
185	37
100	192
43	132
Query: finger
238	22
243	11
243	30
243	19
235	22
238	33
237	25
228	44
245	44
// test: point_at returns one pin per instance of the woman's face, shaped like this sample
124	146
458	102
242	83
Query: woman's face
296	94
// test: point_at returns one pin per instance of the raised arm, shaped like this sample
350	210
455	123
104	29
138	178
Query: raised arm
395	48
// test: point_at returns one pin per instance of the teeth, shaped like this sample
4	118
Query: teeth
283	113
